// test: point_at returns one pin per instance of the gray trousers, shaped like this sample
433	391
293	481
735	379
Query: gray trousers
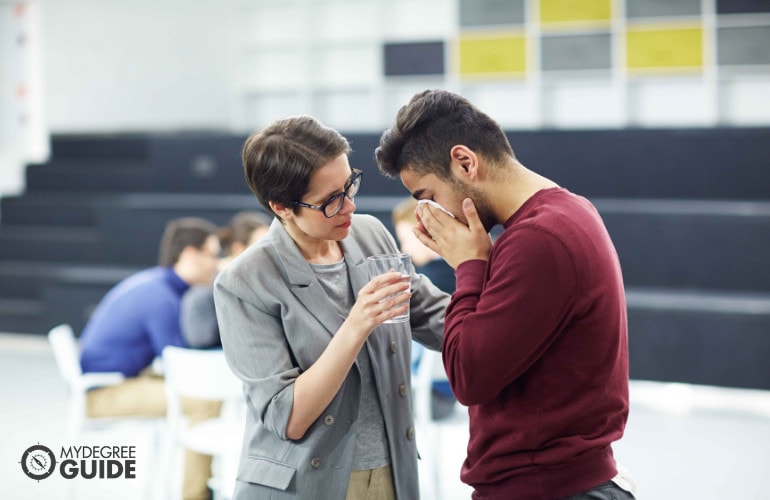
605	491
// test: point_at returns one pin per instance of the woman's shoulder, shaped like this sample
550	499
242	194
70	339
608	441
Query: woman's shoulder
256	259
371	235
366	223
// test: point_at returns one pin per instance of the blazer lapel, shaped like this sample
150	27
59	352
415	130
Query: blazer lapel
356	263
302	280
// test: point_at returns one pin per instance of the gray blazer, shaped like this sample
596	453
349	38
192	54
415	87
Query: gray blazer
275	321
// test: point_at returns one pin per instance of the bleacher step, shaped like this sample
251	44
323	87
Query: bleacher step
699	336
50	243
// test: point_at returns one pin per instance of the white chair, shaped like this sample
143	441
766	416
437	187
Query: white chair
204	374
66	352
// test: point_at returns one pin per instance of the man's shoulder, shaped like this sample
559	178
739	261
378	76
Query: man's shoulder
144	286
143	277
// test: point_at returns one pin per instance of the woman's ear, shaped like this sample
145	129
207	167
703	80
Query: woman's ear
280	209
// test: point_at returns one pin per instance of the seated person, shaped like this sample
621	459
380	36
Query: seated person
198	318
429	263
138	318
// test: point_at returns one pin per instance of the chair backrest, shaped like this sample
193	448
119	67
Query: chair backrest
198	373
66	352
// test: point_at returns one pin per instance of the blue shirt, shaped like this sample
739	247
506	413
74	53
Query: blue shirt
133	323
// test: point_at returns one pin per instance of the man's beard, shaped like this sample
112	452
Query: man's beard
463	191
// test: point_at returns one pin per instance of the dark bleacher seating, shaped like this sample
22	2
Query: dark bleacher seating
689	211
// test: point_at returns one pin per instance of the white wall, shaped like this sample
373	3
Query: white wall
23	133
117	65
125	65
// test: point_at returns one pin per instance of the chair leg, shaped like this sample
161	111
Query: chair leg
155	480
76	421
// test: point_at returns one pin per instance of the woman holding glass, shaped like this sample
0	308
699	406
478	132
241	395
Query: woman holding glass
327	383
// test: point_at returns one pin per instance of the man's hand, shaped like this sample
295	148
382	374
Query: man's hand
454	241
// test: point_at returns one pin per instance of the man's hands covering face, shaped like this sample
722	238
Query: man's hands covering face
449	237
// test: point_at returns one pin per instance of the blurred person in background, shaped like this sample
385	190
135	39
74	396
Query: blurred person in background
138	318
429	263
198	318
536	336
329	393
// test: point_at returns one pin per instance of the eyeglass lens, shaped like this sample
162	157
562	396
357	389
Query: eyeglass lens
330	209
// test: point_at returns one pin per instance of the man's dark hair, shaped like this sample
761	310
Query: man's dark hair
279	160
426	129
181	233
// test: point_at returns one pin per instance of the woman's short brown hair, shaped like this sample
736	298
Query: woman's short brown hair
279	160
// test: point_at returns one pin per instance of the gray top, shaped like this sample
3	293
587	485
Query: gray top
371	449
198	318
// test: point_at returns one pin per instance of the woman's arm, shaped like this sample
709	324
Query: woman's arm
316	387
286	399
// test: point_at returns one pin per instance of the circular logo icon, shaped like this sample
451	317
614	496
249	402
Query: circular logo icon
38	462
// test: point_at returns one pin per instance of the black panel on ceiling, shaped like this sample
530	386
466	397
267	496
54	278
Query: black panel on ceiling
415	58
742	6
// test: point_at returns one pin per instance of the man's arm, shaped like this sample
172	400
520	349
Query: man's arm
501	319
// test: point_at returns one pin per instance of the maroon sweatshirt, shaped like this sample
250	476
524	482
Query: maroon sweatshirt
536	346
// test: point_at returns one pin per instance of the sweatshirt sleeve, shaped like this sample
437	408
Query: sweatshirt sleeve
505	312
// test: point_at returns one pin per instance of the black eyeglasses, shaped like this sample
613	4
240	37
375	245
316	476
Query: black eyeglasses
333	205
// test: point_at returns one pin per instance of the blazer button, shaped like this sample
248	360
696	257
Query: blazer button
329	419
393	346
315	462
410	433
402	389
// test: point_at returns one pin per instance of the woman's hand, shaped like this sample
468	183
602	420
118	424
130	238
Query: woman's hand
383	298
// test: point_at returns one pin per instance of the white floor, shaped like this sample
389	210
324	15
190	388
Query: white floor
682	442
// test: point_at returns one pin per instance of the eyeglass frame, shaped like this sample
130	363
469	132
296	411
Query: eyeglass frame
355	177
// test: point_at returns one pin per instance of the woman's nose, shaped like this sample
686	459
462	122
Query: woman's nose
349	205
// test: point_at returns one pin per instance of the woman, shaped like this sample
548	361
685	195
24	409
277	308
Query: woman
327	384
244	229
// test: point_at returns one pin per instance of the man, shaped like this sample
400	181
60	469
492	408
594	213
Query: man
136	320
535	334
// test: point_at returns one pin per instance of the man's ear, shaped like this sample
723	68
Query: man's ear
186	252
280	209
465	163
